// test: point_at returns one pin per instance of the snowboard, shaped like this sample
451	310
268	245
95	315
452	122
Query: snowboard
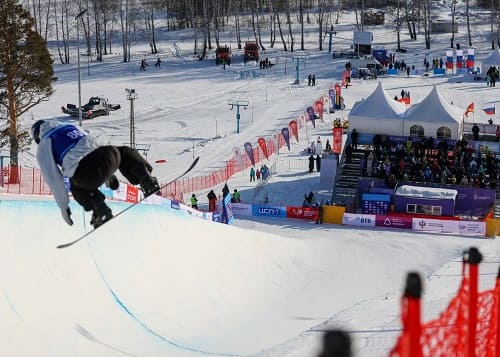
69	244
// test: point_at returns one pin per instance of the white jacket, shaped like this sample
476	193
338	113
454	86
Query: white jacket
80	145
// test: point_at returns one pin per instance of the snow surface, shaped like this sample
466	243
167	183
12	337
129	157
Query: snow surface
152	283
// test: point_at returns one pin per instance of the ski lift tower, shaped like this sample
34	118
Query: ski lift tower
300	58
131	95
238	104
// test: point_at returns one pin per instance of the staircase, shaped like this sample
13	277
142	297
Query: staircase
345	191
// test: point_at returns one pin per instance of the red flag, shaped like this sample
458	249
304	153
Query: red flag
263	146
337	140
470	109
319	108
294	129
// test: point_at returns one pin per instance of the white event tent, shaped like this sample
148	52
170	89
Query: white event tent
379	113
435	117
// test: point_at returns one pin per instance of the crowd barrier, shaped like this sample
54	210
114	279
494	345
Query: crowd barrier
469	326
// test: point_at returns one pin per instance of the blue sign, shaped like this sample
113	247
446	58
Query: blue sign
175	205
268	211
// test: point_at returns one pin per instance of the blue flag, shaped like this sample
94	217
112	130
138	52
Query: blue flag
310	113
249	150
286	135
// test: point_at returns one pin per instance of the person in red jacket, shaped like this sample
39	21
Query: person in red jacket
212	199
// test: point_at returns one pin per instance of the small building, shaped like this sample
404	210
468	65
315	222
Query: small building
425	200
441	26
362	42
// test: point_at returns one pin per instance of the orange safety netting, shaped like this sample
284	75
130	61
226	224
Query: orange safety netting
447	335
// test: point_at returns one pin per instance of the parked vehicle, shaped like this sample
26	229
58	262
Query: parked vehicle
251	52
223	55
96	106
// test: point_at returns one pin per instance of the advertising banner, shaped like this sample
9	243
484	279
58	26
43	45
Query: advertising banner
337	140
331	93
227	211
319	108
310	114
459	59
132	194
472	228
449	59
401	222
470	58
268	211
359	220
242	209
238	157
309	213
249	151
286	135
263	146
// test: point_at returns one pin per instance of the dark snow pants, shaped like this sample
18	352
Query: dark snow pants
97	168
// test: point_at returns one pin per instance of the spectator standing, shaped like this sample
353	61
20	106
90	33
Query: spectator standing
354	139
318	163
311	163
321	212
236	197
252	174
144	64
158	63
212	199
369	163
257	174
475	132
348	152
313	80
309	80
194	201
498	133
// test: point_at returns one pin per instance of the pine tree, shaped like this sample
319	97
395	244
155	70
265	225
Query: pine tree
26	74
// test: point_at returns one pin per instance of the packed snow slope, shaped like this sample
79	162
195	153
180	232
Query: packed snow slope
153	282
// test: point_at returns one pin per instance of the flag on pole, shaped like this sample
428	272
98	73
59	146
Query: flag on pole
489	111
470	109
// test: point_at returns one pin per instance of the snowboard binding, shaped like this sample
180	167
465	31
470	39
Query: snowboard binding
149	185
101	214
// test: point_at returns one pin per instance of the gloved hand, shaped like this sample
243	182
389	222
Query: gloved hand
67	216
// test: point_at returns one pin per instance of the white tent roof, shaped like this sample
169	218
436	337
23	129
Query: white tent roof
434	108
378	105
492	59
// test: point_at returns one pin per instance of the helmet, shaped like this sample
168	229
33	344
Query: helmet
35	131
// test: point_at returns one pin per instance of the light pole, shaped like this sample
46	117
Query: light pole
77	18
238	104
132	95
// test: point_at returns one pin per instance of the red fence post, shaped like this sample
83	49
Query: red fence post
473	257
496	311
412	322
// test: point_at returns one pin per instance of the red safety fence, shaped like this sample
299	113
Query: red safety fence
24	180
469	326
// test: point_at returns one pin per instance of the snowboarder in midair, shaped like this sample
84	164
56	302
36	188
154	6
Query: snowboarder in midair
64	150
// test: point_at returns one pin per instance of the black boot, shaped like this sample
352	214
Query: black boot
101	214
149	185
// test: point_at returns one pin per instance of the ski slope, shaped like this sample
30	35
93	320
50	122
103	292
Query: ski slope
156	283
